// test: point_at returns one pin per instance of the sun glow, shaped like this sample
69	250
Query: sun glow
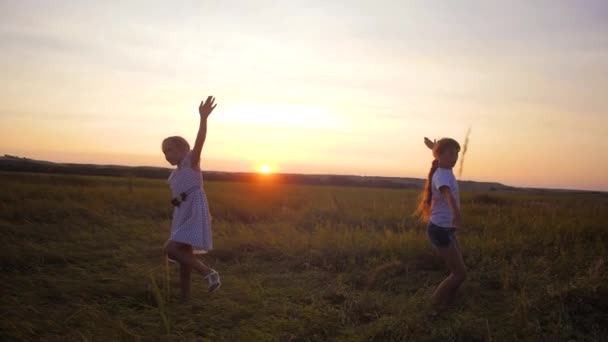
265	169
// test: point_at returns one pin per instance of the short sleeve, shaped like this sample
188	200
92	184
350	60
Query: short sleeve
187	161
442	178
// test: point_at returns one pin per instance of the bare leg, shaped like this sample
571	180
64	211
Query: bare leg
461	262
448	287
182	253
184	281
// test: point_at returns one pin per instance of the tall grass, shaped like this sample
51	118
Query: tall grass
465	148
80	260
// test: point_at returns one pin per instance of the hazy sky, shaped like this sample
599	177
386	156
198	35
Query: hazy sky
308	86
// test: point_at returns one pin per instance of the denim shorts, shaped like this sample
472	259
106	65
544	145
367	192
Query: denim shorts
440	237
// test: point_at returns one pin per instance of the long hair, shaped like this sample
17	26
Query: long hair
424	207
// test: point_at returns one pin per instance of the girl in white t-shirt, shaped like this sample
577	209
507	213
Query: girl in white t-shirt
440	207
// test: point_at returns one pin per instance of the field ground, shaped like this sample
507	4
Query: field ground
80	260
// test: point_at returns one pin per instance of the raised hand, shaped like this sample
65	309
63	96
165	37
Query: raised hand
429	143
207	107
204	110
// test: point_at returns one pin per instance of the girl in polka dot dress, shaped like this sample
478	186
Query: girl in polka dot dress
191	225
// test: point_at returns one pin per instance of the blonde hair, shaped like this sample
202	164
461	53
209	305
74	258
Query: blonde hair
177	141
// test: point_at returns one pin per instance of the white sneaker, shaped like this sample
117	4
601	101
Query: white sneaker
214	280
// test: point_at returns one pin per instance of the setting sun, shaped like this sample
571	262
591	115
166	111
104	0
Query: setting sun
265	169
284	101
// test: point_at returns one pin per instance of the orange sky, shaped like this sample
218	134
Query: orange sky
348	87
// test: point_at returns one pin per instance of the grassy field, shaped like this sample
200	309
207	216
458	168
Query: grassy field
80	260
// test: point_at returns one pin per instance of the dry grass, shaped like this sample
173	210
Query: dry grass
80	260
465	148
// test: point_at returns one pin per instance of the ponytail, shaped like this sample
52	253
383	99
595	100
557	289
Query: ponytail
424	208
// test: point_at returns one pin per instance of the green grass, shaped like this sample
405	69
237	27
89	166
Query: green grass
81	260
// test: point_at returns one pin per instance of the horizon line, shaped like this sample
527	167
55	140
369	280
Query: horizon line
15	157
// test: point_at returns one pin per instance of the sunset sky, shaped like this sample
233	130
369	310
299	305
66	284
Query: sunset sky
348	87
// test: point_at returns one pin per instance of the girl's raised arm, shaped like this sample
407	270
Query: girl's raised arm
204	110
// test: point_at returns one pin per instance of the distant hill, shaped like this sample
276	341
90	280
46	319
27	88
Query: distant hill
20	164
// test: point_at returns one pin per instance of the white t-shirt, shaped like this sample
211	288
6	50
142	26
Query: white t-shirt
441	214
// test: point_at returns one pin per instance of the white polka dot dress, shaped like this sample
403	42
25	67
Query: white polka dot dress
191	222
